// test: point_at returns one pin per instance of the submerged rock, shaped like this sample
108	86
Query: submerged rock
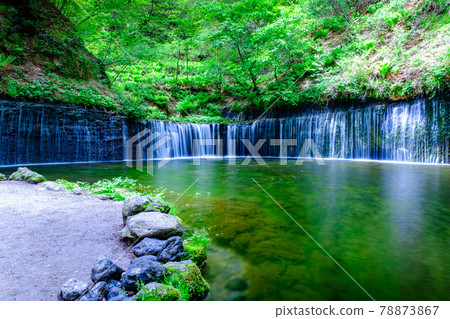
157	291
237	284
153	225
138	204
73	289
97	293
104	269
27	175
145	269
149	246
172	250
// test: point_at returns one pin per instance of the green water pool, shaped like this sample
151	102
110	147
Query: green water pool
386	224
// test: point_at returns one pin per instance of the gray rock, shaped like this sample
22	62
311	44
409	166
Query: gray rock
97	293
27	175
149	246
77	191
115	292
145	269
51	186
102	197
158	205
73	289
134	205
172	250
3	177
153	225
138	204
237	284
104	269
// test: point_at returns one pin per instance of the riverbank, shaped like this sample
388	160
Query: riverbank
51	236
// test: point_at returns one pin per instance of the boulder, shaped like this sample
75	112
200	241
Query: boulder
104	269
172	250
97	293
190	274
73	289
153	225
156	291
51	186
144	269
138	204
115	292
2	177
148	246
27	175
77	191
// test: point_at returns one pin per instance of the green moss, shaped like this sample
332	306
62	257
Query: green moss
197	254
190	282
160	293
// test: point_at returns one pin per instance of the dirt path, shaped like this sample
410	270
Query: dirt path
47	237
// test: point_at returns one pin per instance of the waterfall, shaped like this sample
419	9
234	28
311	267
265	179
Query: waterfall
46	133
416	131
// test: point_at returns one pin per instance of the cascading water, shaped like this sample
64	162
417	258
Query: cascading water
415	131
411	132
43	133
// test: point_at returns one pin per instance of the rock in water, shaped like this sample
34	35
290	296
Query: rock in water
149	246
153	225
97	293
73	289
104	269
27	175
138	204
157	291
115	292
172	250
144	268
2	177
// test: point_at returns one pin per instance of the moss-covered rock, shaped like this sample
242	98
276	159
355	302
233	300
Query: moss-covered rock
196	253
158	292
27	175
2	177
186	273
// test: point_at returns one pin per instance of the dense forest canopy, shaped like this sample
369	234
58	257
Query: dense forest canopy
166	59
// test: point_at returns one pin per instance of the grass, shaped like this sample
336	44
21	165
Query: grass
117	188
195	245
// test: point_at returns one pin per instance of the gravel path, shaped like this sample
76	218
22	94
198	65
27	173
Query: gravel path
47	237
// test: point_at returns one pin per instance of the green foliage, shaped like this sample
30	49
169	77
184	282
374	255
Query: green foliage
195	245
187	60
190	283
161	293
5	61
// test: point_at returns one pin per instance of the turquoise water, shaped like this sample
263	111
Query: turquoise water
386	224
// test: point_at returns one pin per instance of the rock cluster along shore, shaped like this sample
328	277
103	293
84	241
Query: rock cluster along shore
160	266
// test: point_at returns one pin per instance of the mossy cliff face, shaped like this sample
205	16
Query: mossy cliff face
42	40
